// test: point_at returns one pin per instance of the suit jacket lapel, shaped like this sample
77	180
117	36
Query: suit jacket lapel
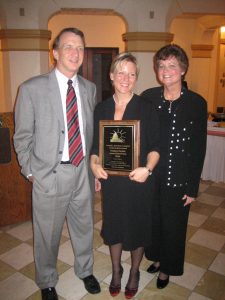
55	97
84	103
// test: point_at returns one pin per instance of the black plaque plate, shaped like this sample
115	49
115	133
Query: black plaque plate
119	146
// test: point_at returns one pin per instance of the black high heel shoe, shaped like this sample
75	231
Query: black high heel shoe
162	283
114	290
131	292
153	269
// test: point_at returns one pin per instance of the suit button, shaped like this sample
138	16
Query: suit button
63	131
54	171
60	152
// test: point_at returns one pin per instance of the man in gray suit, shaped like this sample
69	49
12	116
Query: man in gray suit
61	189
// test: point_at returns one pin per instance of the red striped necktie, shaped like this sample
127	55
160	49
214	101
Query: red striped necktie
74	137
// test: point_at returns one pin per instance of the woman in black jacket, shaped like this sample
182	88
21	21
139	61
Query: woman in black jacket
183	120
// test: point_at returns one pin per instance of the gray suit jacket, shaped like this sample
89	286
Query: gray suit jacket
39	126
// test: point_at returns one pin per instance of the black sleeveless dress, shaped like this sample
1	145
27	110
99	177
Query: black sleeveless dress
127	204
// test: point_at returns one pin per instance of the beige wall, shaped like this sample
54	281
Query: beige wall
202	73
100	31
105	30
221	79
2	84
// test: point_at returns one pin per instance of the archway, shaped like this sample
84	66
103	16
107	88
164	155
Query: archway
204	47
103	31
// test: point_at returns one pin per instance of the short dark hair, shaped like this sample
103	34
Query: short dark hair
175	51
74	30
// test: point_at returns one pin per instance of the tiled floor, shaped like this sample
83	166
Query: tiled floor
204	276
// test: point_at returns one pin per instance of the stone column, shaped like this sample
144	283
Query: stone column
144	45
201	70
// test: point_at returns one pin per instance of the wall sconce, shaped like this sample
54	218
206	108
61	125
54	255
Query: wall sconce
222	32
151	14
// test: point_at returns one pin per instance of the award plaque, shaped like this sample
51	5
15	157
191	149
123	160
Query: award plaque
119	143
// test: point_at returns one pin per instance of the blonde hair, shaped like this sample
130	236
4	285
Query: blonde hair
124	57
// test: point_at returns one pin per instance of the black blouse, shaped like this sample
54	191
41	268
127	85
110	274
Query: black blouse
137	109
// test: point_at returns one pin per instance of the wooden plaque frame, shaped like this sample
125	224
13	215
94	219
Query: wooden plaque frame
119	146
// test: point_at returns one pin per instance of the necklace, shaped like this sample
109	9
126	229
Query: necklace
171	101
124	103
170	105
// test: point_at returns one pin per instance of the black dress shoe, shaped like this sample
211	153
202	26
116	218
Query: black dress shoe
91	284
162	283
49	294
153	268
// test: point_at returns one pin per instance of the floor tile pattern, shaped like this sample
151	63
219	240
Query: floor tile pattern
203	279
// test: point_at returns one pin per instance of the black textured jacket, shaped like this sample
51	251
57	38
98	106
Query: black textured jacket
187	139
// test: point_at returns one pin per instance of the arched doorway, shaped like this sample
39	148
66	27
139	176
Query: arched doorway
206	49
103	31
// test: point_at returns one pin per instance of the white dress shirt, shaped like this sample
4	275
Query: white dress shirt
63	86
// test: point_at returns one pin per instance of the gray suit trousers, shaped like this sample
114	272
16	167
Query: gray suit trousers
69	198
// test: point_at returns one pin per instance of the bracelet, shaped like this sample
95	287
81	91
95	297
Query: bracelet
149	171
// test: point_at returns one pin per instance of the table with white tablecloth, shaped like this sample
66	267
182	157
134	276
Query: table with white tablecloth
214	165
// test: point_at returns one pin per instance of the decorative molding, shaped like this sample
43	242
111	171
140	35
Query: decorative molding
201	50
24	40
190	15
87	11
222	41
91	12
146	41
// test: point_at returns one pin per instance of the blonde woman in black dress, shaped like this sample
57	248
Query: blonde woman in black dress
127	199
